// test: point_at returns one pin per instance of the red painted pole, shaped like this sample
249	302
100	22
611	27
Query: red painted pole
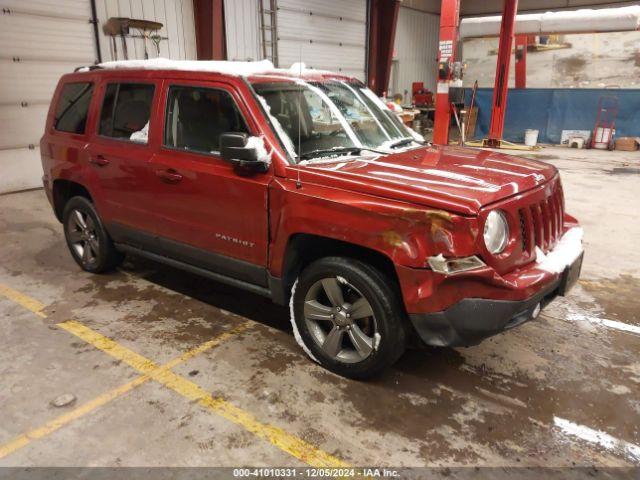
210	32
521	61
383	19
449	32
499	107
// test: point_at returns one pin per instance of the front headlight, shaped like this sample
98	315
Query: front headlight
496	232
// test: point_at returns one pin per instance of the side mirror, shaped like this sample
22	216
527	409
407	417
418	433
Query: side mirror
233	147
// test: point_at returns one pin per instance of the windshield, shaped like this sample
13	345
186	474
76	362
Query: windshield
316	119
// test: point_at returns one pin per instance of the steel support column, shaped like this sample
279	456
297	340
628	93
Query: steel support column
383	18
499	107
211	43
521	61
447	49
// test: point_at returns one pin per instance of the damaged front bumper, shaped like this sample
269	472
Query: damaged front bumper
481	304
471	320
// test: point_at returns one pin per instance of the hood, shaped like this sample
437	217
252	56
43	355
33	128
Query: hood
452	178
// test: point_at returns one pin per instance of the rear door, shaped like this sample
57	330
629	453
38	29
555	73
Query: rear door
63	146
119	152
206	213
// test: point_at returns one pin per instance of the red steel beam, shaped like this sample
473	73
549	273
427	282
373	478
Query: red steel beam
383	19
447	48
499	107
211	41
521	61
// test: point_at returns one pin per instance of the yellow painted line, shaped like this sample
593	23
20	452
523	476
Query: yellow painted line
27	302
59	422
285	441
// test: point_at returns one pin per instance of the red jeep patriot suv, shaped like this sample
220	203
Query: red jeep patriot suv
303	186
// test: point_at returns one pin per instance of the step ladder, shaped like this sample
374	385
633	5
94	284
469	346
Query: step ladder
269	29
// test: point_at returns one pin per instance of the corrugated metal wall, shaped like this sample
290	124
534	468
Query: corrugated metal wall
175	15
415	50
243	29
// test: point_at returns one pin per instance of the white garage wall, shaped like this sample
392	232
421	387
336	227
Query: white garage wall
416	49
175	15
242	27
40	40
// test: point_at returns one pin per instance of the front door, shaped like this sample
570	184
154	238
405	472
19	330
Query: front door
207	214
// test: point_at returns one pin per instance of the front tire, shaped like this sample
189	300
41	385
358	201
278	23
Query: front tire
88	241
347	317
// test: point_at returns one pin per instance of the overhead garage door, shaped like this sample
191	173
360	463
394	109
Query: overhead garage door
328	35
40	40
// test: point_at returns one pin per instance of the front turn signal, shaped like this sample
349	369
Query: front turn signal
449	266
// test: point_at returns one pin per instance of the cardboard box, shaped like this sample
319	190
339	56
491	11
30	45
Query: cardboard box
626	144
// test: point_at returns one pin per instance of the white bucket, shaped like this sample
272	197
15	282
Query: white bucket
531	137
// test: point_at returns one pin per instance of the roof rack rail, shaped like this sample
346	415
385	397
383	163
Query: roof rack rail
89	67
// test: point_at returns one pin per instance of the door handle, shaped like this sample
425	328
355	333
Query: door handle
169	176
99	160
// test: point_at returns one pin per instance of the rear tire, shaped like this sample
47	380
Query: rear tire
88	241
347	317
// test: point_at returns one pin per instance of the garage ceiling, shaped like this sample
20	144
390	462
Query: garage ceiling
473	7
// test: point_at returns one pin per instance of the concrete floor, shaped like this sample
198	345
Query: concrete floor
563	390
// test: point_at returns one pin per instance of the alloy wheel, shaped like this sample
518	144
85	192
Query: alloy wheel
83	237
340	320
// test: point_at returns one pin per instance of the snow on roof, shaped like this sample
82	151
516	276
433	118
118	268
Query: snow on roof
300	68
215	66
568	21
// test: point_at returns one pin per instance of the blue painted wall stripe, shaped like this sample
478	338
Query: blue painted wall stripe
552	110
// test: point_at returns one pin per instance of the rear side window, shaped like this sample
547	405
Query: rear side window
197	116
72	108
125	111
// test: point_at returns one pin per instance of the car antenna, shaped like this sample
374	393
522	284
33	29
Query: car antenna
298	182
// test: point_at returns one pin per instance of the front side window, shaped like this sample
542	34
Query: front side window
197	116
73	106
331	117
126	110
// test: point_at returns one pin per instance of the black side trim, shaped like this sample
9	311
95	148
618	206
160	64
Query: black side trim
234	282
279	294
201	259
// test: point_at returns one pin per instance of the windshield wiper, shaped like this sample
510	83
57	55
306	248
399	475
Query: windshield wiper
402	142
336	151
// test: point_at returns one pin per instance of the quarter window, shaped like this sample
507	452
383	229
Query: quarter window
126	110
197	116
72	108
